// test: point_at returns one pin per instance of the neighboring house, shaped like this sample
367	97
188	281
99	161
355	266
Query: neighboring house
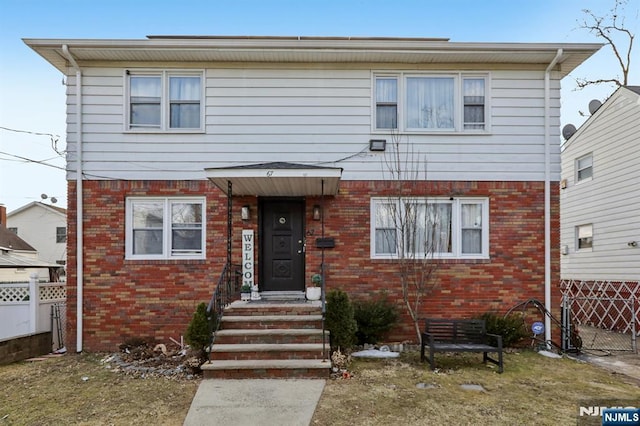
600	195
170	131
45	227
18	259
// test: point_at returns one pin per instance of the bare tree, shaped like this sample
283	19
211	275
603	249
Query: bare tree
610	27
409	228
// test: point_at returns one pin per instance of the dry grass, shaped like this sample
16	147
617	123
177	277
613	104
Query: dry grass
532	390
54	392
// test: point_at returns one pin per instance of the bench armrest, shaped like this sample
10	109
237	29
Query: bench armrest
497	338
427	338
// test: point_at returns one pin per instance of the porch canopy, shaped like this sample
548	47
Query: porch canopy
276	179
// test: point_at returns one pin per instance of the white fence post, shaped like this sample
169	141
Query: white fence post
33	302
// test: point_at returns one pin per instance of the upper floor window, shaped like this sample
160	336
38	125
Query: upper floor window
165	228
425	103
584	168
386	103
61	234
165	100
418	228
584	236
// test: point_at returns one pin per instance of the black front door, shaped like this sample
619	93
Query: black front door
282	244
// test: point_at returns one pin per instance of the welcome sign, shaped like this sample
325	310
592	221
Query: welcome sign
248	270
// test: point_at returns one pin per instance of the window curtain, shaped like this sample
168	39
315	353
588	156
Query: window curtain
147	227
145	101
473	89
186	228
184	95
386	103
430	103
429	230
386	234
471	228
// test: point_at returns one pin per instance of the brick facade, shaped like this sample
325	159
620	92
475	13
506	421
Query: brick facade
156	299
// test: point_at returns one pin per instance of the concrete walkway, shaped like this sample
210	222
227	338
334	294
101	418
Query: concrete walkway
627	364
255	402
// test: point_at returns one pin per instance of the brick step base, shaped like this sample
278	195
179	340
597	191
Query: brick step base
271	322
274	369
269	340
266	351
284	336
272	308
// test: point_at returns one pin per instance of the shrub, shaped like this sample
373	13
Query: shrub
374	319
198	333
510	327
339	320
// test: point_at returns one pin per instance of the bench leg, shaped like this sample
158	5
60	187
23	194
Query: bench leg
498	362
422	352
431	359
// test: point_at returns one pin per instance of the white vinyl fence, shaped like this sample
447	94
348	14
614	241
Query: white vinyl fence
26	308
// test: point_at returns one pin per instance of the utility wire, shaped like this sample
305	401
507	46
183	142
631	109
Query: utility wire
29	160
31	133
54	138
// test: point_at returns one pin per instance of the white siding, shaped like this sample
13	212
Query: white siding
318	115
611	200
37	226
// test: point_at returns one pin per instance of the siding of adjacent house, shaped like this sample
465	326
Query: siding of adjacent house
37	225
316	115
611	200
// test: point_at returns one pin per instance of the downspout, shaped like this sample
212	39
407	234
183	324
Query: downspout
79	200
547	197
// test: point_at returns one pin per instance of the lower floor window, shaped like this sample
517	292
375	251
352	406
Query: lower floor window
429	227
164	228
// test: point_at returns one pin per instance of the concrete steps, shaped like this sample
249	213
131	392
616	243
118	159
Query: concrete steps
270	339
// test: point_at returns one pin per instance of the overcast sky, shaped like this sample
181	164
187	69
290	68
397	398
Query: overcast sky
32	96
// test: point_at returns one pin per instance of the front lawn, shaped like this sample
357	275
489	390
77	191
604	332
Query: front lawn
80	389
532	390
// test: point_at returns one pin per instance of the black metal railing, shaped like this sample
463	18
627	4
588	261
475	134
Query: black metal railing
225	292
323	300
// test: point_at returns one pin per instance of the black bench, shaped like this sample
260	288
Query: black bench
457	335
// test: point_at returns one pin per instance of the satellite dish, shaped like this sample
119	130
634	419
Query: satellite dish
43	196
594	105
568	131
54	200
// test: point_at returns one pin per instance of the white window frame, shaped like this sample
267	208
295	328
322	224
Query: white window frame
165	104
578	169
401	100
166	228
456	226
588	228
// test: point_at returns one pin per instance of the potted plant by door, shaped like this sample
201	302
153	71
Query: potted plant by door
314	290
245	292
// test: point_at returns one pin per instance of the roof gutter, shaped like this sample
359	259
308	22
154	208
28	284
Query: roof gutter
547	196
79	201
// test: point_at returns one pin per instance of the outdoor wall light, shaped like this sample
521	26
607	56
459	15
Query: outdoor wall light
245	213
377	144
316	212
